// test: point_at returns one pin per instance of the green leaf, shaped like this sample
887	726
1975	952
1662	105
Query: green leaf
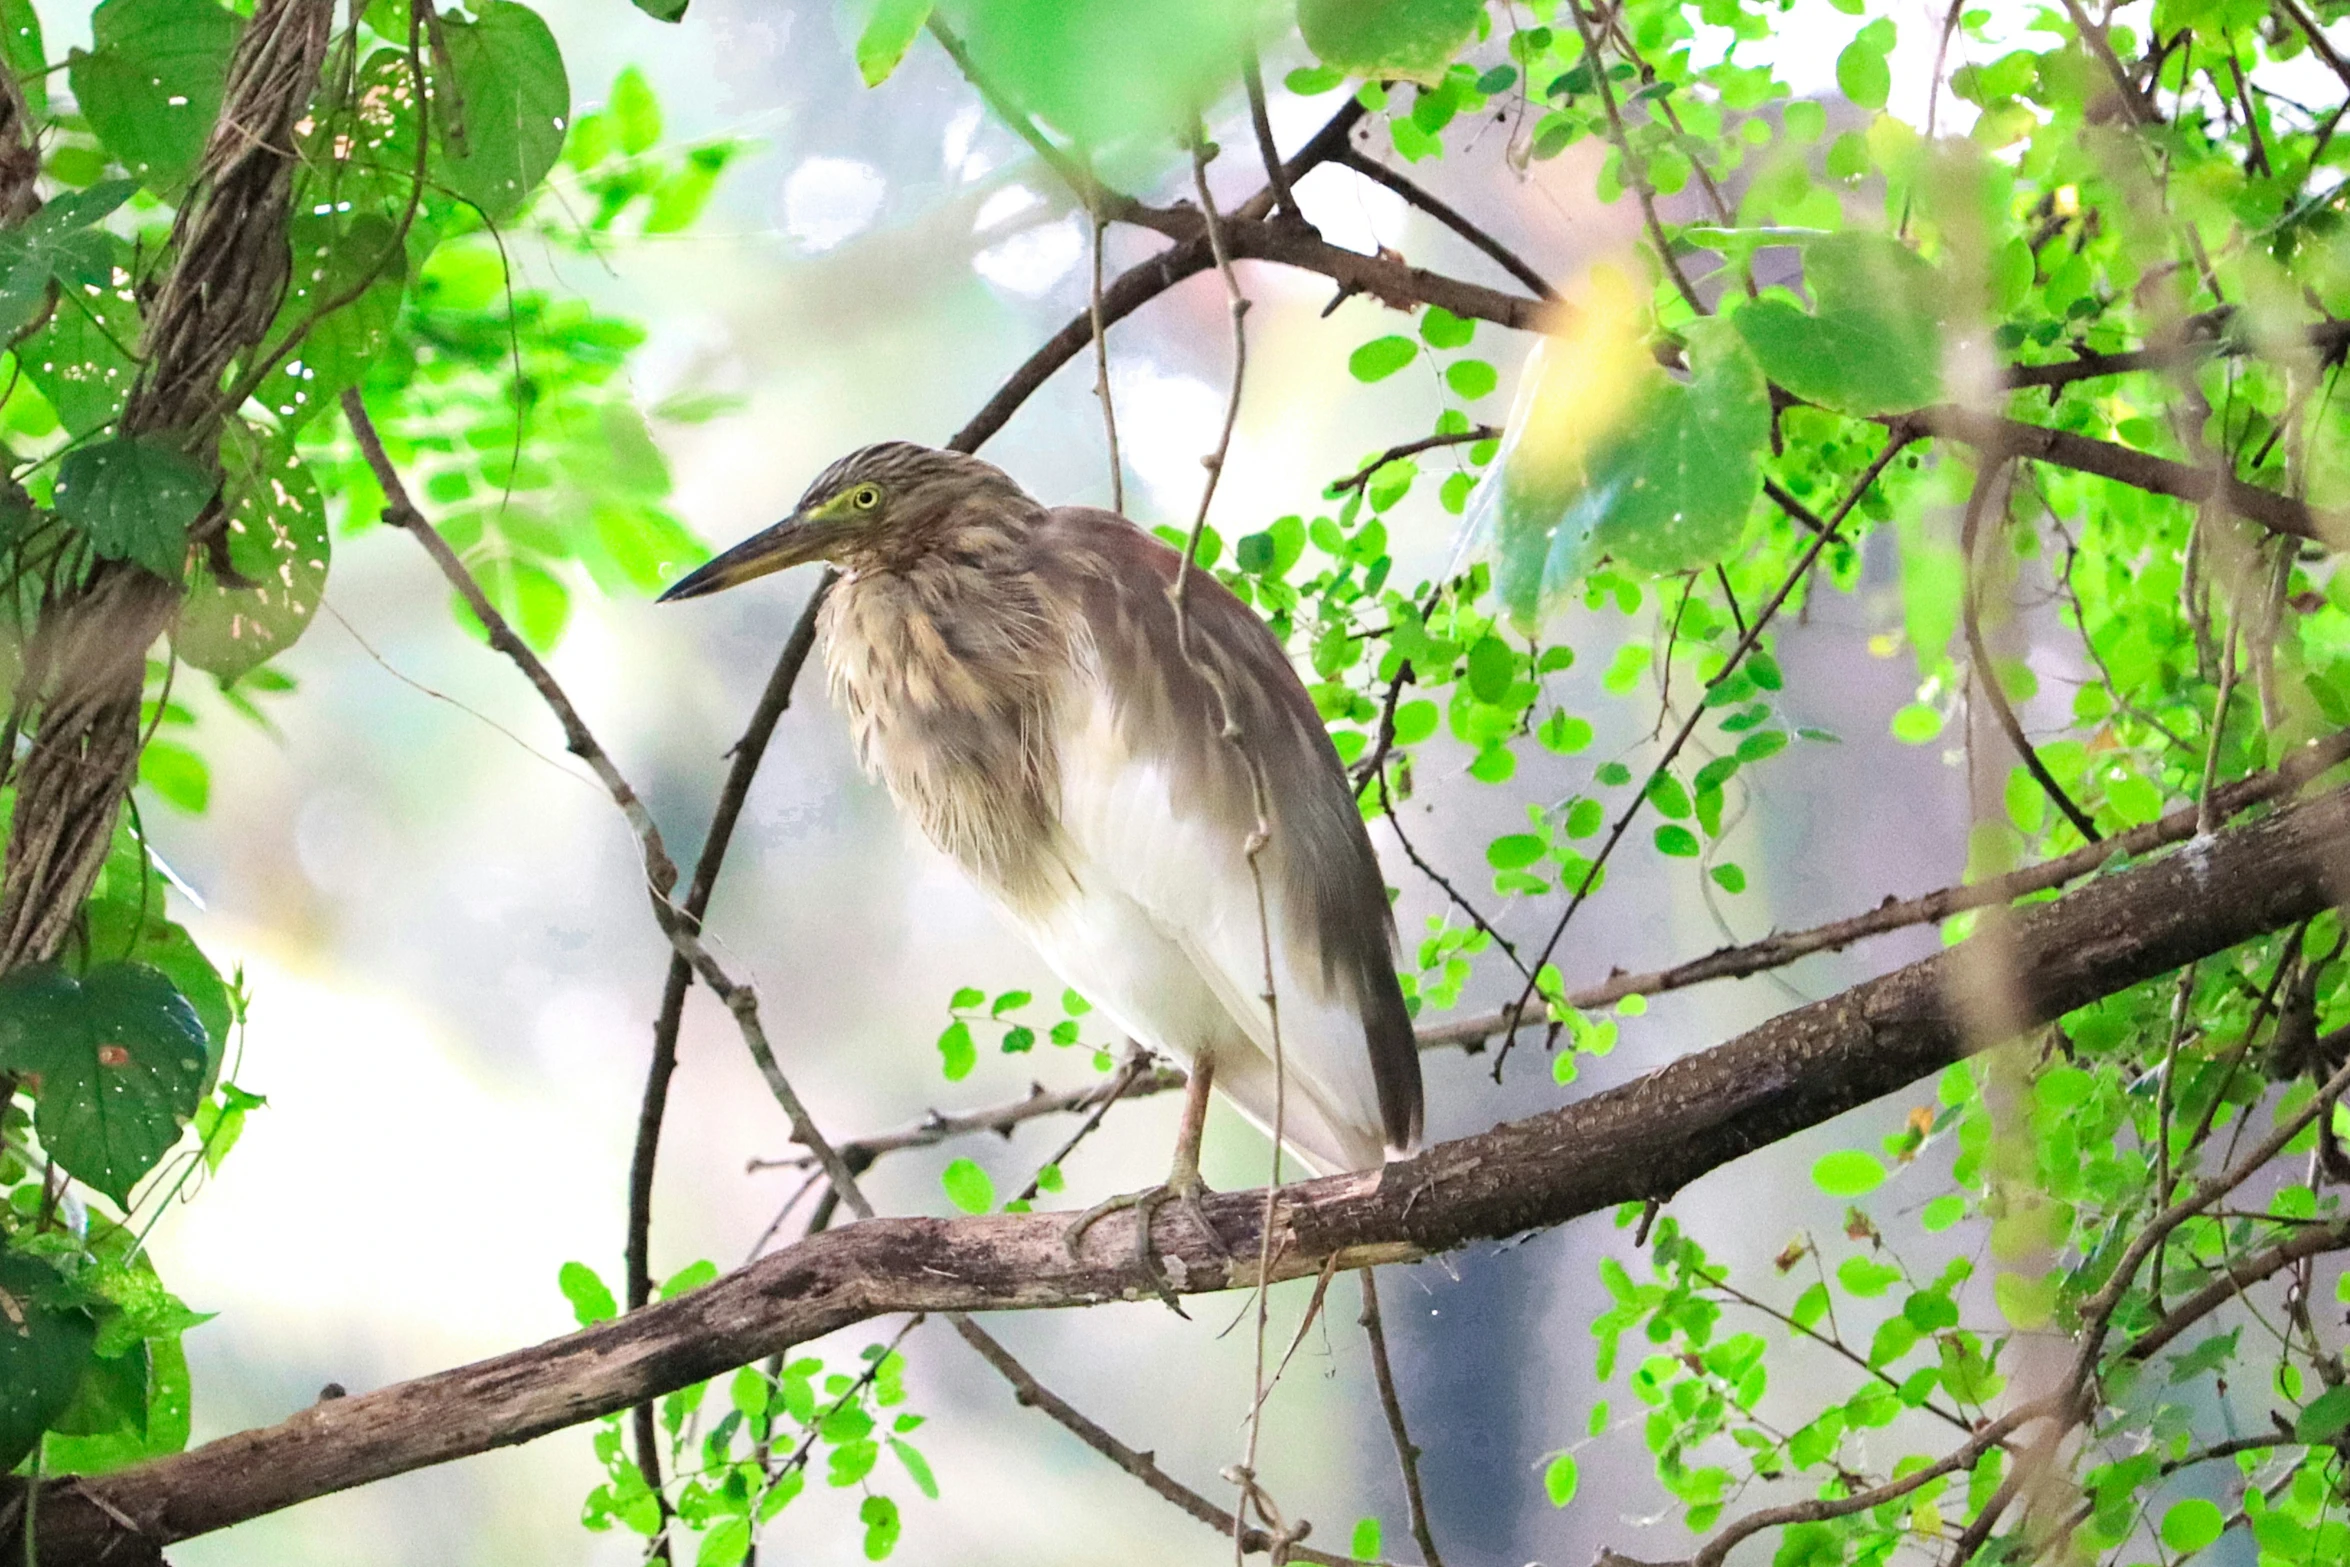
917	1467
81	361
1471	379
134	496
57	244
591	1301
1873	342
121	1059
1106	73
2027	1301
1514	851
1381	357
1369	1540
1665	487
2192	1524
277	541
342	302
958	1054
880	1517
1848	1172
662	10
967	1186
1560	1479
1730	878
1493	665
152	86
1412	40
1440	328
1863	75
21	48
2321	1419
1676	841
516	102
888	34
1917	724
46	1348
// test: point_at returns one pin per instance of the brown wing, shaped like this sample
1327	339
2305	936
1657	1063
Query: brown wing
1333	905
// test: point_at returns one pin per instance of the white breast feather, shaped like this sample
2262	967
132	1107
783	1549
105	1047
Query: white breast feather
1163	935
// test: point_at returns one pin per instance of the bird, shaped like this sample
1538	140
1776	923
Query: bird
1104	764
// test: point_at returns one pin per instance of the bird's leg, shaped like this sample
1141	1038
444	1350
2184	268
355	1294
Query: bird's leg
1183	1186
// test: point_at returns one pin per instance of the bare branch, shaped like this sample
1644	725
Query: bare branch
1448	215
1641	1141
1142	1466
1407	1456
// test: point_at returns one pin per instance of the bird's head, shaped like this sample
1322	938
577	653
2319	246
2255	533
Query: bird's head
878	504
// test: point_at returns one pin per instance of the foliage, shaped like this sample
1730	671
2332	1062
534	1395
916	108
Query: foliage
1817	275
116	1061
2123	236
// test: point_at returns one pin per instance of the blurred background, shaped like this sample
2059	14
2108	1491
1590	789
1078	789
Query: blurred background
454	974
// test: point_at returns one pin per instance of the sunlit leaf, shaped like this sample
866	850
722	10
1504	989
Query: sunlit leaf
1412	40
1872	342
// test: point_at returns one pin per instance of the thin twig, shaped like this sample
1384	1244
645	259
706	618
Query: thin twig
1635	168
1406	1455
1900	438
1451	217
1027	1390
1987	476
1276	177
1362	476
660	872
1260	835
1101	374
1412	853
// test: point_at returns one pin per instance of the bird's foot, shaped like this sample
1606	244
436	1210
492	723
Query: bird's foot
1185	1191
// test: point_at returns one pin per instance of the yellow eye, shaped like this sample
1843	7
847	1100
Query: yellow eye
865	497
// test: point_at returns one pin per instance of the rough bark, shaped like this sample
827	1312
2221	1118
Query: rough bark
1642	1141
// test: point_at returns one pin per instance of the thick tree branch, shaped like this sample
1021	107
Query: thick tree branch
1642	1141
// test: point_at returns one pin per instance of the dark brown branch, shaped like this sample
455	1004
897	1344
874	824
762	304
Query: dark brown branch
1642	1141
1448	215
1996	437
1139	285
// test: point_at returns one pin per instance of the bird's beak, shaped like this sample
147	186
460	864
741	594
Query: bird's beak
796	539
